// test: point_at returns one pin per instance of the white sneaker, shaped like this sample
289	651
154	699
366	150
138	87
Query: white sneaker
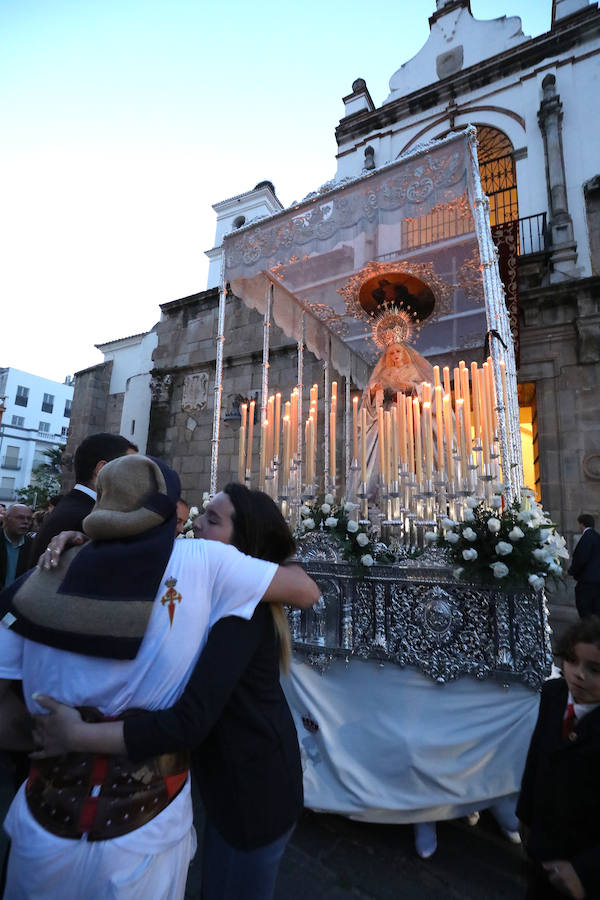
425	839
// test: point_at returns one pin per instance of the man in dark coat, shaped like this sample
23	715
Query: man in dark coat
15	543
585	568
93	453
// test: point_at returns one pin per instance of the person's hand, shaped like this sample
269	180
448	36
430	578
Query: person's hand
54	734
60	542
563	877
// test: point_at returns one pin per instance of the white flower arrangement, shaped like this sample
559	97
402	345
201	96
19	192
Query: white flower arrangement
362	539
470	554
494	525
356	543
331	522
468	515
515	534
469	534
367	560
503	548
325	508
499	569
352	526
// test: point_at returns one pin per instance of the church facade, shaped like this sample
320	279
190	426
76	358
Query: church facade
534	103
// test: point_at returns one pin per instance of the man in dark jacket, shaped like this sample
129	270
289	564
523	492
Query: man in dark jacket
585	568
93	453
15	543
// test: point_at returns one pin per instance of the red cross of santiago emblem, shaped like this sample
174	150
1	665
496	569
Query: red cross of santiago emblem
170	598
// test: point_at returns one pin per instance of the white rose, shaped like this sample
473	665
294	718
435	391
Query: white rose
503	548
362	539
469	554
352	526
536	582
448	523
541	554
525	515
495	502
205	503
367	560
189	534
304	510
494	525
468	515
205	495
457	572
499	569
325	509
430	536
330	522
309	524
471	502
329	498
516	534
452	537
555	568
194	511
349	506
545	535
469	534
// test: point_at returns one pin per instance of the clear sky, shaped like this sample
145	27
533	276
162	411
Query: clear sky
123	121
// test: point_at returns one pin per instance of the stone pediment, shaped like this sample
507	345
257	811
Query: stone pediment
456	41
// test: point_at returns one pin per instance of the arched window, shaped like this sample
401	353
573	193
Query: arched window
498	174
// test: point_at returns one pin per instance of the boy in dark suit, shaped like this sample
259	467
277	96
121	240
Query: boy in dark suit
559	805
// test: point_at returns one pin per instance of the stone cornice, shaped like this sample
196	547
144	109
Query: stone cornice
201	297
566	34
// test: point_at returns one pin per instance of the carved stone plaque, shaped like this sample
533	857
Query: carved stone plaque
195	392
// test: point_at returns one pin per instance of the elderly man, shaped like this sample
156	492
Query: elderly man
16	544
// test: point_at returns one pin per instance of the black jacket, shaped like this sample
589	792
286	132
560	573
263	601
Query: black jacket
560	793
22	562
585	565
234	712
68	516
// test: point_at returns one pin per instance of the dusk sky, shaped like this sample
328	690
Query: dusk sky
124	120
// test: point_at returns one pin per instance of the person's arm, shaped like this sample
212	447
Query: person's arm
291	585
563	877
15	721
231	645
581	556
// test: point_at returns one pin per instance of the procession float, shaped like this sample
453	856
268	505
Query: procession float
415	679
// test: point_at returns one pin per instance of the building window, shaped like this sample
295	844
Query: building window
48	403
67	412
64	430
19	421
11	458
133	426
7	488
44	427
22	397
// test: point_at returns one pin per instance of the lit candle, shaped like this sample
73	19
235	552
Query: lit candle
286	448
460	435
307	452
250	436
332	447
428	439
485	422
447	387
381	440
439	428
492	390
293	424
447	409
388	446
244	409
436	376
418	443
355	428
277	423
395	443
456	386
363	445
264	439
464	377
242	455
410	436
270	431
476	402
402	428
426	391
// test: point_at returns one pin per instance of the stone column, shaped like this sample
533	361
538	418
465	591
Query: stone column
563	245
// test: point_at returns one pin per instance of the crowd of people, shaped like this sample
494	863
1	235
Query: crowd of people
133	649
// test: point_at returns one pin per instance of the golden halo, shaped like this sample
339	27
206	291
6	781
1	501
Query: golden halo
393	325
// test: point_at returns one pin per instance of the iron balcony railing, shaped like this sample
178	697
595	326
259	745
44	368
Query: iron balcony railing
533	234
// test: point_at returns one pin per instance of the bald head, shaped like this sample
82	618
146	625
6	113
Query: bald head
18	521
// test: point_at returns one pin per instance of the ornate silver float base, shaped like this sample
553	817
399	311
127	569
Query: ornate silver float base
419	616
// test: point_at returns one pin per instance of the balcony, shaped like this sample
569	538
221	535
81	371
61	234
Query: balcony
11	463
533	234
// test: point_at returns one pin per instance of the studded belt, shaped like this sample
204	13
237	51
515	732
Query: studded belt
102	797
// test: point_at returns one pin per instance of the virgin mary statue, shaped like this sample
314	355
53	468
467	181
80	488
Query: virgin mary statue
399	370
